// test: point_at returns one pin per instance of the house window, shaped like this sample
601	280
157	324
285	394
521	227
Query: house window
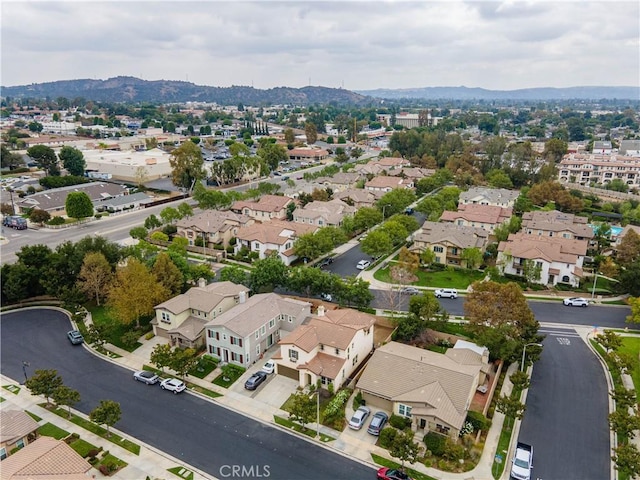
256	246
3	453
263	330
257	334
337	351
209	334
566	279
355	360
321	346
20	443
272	323
293	355
224	336
290	318
258	349
438	249
404	410
165	317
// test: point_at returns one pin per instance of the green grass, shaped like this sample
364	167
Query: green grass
449	278
226	380
102	316
175	470
110	459
631	346
82	447
205	366
391	464
503	448
285	422
34	416
97	429
12	388
51	430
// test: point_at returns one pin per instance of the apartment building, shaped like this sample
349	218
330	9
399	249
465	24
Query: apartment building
589	168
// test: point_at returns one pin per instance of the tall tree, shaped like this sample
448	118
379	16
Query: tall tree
66	396
273	154
511	407
187	165
107	413
78	205
168	274
161	355
404	448
95	275
289	136
366	218
311	132
134	292
45	158
629	248
44	382
268	273
183	360
72	160
472	257
303	409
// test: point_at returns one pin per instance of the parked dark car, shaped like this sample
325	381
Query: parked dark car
255	380
378	422
325	262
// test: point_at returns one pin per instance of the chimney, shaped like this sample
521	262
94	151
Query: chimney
321	311
202	282
243	297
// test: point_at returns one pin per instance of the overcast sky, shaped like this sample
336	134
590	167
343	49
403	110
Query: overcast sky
356	44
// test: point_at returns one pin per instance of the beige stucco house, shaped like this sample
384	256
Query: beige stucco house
323	214
448	240
215	227
17	430
267	208
487	217
182	318
327	347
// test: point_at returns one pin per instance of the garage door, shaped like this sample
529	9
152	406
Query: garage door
288	372
377	402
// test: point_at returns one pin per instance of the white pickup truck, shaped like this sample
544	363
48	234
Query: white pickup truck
522	462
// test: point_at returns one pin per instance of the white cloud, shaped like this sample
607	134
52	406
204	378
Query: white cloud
366	45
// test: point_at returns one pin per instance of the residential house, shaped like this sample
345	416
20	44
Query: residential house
53	200
328	347
499	197
267	208
215	227
590	168
385	183
45	459
432	389
487	217
413	174
381	165
122	203
623	233
558	259
359	197
629	148
323	214
17	430
448	240
602	147
242	334
556	224
307	154
272	237
182	318
341	181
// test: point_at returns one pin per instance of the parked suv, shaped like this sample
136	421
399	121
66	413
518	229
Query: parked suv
446	293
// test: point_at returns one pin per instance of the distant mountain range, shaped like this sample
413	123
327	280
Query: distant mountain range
546	93
131	89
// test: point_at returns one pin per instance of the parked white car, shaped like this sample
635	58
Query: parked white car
576	302
363	264
359	418
269	367
173	385
446	293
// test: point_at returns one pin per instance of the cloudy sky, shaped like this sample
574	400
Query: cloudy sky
360	45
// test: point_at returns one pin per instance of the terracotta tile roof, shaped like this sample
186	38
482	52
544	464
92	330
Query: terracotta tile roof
433	233
45	458
211	221
539	247
276	232
328	366
332	212
555	221
489	214
430	382
15	424
383	181
266	203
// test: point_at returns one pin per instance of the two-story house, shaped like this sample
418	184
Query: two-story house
558	259
323	214
556	224
359	197
487	217
273	237
267	208
386	183
340	181
448	240
212	227
327	347
433	390
241	335
182	318
499	197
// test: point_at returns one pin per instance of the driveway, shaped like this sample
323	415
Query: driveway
276	391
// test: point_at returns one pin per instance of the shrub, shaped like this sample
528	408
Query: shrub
357	400
399	422
387	436
56	221
149	336
478	420
334	407
435	443
104	470
93	452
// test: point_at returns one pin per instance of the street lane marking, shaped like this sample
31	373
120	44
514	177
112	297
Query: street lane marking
563	341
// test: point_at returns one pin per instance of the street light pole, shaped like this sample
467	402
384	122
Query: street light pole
318	406
593	290
524	349
24	370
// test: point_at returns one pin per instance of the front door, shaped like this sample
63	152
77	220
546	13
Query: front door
423	423
270	340
226	355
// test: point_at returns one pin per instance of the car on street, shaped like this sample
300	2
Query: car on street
173	385
409	291
446	293
269	367
255	380
359	418
378	421
325	262
576	302
327	297
147	377
363	264
386	473
75	337
408	211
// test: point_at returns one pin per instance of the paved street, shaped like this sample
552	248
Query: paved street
567	407
197	431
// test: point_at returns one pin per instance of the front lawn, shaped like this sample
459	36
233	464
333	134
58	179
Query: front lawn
631	346
230	375
206	364
51	430
103	316
449	278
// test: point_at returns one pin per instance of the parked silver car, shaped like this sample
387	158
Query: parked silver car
359	418
147	377
75	337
